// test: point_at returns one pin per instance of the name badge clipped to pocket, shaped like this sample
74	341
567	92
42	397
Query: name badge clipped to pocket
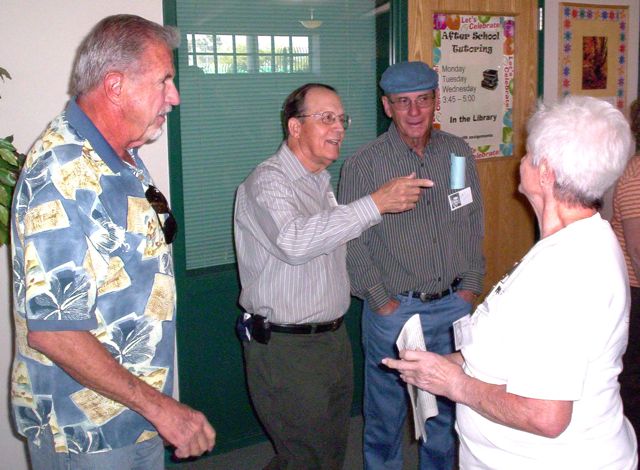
462	332
460	198
333	202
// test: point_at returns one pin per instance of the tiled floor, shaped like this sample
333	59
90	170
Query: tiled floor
257	456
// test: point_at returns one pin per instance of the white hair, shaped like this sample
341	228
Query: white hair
586	141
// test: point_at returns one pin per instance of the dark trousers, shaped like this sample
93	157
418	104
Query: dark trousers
630	376
301	387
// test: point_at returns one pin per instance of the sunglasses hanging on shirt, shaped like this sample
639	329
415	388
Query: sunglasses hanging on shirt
161	206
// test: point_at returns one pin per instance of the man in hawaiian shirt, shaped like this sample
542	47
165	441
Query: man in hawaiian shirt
94	292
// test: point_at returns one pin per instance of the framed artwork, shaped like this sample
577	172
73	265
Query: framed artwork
594	51
591	49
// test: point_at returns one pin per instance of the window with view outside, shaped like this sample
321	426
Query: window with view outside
242	53
237	62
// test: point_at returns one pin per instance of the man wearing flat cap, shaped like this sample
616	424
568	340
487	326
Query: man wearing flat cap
427	261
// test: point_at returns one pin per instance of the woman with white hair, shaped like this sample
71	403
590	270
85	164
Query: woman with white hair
536	375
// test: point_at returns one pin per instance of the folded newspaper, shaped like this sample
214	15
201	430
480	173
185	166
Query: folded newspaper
423	404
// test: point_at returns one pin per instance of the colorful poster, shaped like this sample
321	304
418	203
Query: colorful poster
474	57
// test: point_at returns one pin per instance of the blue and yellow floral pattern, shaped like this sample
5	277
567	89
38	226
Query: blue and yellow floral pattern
88	255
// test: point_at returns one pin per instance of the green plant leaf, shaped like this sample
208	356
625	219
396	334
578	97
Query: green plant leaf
4	234
8	177
7	166
9	156
4	215
7	141
5	195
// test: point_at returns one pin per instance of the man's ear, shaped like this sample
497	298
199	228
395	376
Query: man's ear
386	105
294	125
113	83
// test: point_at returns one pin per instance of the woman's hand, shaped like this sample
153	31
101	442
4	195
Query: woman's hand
443	375
440	375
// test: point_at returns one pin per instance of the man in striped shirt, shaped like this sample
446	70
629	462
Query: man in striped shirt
291	237
427	261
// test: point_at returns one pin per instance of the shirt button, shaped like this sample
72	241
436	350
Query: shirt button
439	279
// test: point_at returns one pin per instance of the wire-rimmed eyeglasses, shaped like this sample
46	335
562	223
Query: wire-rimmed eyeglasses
161	206
422	101
329	118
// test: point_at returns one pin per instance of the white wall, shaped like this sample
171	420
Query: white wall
38	40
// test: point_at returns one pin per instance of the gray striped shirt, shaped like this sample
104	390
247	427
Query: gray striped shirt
291	236
424	249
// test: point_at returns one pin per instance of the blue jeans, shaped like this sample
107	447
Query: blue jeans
147	455
385	396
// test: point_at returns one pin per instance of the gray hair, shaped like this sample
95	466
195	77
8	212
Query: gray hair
116	43
586	141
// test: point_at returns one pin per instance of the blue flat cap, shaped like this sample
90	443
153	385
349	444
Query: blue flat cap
406	77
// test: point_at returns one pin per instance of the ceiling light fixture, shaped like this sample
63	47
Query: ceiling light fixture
311	23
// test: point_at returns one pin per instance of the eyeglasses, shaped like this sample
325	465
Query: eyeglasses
161	206
329	117
422	101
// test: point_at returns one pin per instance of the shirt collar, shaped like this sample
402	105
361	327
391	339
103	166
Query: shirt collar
294	168
88	131
400	145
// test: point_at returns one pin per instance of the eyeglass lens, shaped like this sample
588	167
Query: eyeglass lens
329	118
160	205
423	101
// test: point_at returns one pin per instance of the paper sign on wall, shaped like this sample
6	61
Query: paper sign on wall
474	57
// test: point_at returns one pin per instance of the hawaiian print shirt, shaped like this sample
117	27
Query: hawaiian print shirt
88	254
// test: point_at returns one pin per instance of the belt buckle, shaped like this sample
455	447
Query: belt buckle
424	297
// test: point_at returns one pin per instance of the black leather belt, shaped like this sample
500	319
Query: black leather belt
306	328
427	297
